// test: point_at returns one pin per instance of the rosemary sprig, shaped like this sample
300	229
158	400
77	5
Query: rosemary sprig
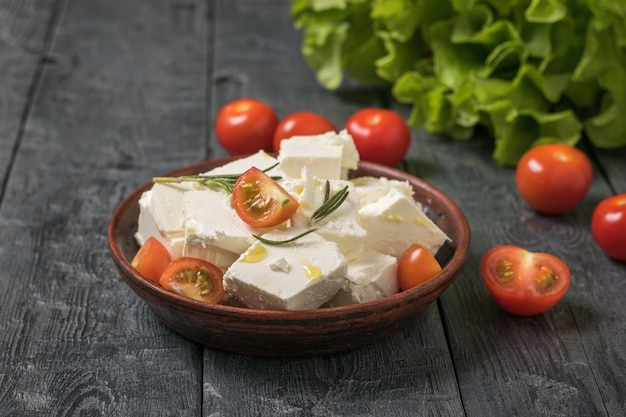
224	181
330	203
282	242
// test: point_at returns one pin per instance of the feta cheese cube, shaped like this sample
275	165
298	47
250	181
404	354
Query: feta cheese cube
297	276
262	160
211	222
329	156
342	226
161	215
395	222
371	189
371	276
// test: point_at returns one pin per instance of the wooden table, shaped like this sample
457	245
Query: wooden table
98	96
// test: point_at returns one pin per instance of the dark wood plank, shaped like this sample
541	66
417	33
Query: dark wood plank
258	55
508	365
408	375
22	45
613	162
122	98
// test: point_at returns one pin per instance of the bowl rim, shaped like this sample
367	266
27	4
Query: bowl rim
426	290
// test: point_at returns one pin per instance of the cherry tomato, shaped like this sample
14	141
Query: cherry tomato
553	178
245	126
301	123
416	266
608	226
380	135
522	282
151	259
260	201
194	278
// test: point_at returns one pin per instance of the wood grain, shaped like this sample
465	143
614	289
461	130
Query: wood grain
98	96
24	27
517	366
287	84
257	54
122	98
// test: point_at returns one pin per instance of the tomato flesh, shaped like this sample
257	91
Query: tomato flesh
380	135
194	278
151	259
553	178
524	283
301	123
608	226
245	126
260	201
416	266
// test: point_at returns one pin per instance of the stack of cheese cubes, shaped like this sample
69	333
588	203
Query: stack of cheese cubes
350	258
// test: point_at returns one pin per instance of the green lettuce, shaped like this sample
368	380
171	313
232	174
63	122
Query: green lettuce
529	71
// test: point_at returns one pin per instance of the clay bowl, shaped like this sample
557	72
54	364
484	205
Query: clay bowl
294	333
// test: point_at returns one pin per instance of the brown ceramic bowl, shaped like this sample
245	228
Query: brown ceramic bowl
294	333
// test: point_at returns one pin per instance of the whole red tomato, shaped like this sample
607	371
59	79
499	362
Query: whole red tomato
301	123
608	226
524	283
553	178
380	135
245	126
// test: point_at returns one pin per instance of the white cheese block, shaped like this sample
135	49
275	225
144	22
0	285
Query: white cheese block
261	160
161	215
146	227
371	276
350	156
328	156
342	226
210	221
146	224
217	256
297	276
371	189
395	222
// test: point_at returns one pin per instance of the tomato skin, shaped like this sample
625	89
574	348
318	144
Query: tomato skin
524	283
608	226
151	259
301	123
245	126
380	135
553	178
260	201
194	278
416	266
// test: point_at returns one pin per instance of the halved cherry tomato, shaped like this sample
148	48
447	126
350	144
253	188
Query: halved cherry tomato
416	266
522	282
380	135
194	278
608	226
151	259
245	126
553	178
260	201
299	124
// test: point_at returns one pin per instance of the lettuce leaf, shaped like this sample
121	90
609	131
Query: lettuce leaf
530	71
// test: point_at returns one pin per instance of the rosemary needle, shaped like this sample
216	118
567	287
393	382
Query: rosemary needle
224	181
281	242
330	204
